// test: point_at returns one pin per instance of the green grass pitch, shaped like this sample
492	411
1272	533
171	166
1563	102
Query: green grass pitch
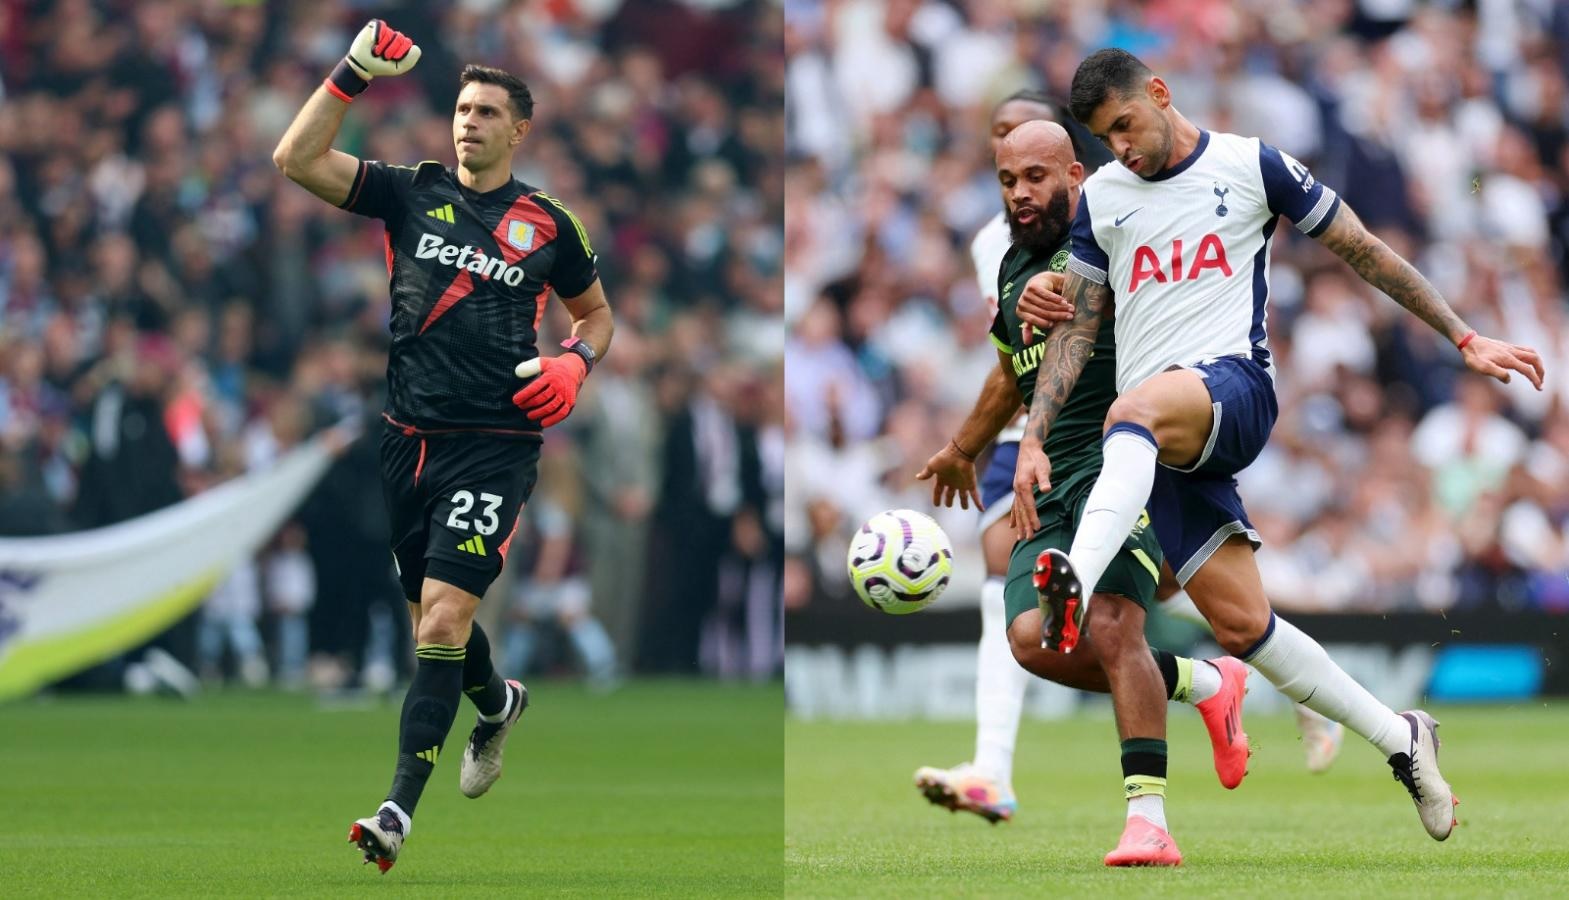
856	827
660	789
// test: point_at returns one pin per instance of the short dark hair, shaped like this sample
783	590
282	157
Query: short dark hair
1031	95
1058	114
1103	73
518	96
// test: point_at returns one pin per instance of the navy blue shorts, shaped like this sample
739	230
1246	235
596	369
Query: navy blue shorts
997	483
1196	509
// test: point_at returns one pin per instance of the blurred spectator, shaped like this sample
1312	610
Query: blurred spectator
705	518
163	291
289	586
553	594
621	432
229	622
1445	125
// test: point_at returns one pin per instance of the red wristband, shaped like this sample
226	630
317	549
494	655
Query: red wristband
1466	340
336	91
345	83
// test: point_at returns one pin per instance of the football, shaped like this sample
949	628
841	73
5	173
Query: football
900	561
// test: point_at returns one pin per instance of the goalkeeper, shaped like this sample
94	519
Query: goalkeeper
471	254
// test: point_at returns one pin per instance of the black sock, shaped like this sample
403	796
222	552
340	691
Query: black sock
1167	661
481	682
1144	766
428	710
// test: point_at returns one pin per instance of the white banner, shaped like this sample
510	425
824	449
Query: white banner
70	601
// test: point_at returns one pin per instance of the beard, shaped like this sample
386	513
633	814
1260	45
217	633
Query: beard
1048	229
1168	140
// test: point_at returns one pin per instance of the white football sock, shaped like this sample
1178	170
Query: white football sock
1150	806
1000	683
505	708
1299	667
1206	681
1126	476
403	817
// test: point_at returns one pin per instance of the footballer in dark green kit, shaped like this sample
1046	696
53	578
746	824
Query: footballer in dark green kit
1074	445
1041	180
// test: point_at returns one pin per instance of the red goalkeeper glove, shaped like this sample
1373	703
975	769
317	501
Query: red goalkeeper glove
550	397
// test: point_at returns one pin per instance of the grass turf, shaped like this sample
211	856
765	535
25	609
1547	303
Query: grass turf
660	789
856	827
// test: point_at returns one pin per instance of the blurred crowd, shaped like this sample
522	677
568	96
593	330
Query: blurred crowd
173	313
1393	480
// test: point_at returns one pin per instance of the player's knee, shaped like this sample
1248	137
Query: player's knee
446	628
1237	629
446	619
1116	626
1133	410
1024	637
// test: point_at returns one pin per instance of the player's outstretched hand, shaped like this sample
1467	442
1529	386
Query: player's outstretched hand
380	50
953	475
1042	304
1495	359
549	398
1033	471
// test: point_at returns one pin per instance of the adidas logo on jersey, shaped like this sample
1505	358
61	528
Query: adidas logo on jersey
475	545
432	246
444	213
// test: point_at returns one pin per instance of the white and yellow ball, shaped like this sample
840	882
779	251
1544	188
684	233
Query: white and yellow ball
900	561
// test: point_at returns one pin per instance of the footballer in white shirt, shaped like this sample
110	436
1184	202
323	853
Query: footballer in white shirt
1176	240
984	785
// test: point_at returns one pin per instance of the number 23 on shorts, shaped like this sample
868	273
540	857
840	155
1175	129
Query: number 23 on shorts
480	514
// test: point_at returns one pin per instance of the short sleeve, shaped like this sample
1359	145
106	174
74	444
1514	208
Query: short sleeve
379	190
1294	193
999	333
1087	260
574	269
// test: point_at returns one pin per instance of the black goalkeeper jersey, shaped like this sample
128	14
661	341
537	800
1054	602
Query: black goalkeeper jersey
470	273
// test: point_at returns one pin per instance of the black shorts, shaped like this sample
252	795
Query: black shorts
453	500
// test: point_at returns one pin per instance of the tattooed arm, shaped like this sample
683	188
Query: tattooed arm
1068	348
1384	269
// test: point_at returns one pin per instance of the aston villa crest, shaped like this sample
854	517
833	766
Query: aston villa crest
520	234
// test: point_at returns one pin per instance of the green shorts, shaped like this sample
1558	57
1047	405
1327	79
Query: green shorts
1133	573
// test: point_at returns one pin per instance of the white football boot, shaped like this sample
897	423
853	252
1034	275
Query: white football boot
482	753
1418	771
380	837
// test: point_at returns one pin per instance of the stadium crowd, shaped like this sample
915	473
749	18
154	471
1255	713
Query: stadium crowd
1394	481
173	312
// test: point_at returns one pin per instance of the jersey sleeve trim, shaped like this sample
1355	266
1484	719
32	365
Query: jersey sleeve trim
1091	273
1292	191
1087	260
577	225
1001	344
1323	212
354	189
